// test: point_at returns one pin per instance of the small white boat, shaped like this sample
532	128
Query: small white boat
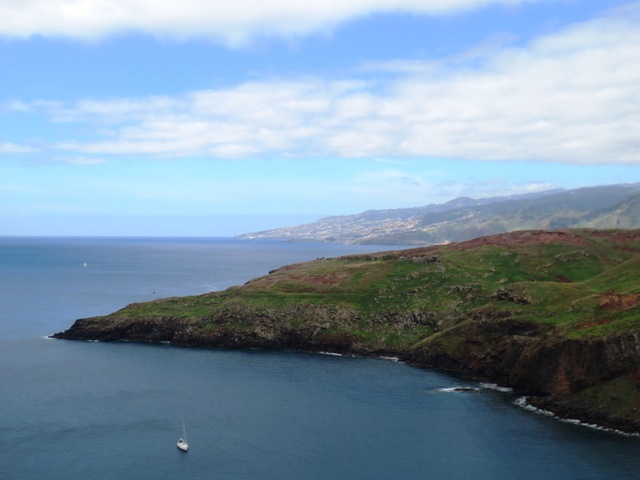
182	441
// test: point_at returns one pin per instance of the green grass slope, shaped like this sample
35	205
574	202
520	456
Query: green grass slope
565	280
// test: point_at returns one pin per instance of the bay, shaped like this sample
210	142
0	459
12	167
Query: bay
83	410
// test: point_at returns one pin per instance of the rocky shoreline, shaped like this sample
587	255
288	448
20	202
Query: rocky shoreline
585	416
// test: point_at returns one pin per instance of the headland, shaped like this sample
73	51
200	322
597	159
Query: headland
554	315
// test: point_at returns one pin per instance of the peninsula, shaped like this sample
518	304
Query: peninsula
555	315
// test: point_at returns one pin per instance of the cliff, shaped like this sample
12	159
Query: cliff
554	315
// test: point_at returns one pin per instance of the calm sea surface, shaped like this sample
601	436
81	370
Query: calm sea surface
79	410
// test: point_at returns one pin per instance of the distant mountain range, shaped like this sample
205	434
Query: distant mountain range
611	206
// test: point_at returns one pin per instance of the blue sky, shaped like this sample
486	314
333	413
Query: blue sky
133	117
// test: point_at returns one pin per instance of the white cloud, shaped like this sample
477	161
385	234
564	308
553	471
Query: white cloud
16	106
79	160
487	189
233	23
14	148
382	178
398	187
573	96
388	186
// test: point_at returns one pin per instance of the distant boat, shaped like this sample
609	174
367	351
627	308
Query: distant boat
182	440
85	264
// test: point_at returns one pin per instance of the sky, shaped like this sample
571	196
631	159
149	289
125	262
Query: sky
211	118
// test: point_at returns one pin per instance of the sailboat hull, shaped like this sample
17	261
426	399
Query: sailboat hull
182	445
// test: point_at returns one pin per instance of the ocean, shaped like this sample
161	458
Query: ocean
87	410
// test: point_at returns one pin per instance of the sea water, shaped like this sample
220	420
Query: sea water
86	410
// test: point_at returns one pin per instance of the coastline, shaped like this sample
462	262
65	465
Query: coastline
501	309
528	403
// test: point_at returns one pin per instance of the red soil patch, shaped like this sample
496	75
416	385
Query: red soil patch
613	302
525	237
323	280
510	239
623	240
594	323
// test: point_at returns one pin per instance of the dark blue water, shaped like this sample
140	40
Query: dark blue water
76	410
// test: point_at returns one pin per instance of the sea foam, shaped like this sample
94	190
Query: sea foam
522	402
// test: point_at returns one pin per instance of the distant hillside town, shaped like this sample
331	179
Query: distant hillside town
610	206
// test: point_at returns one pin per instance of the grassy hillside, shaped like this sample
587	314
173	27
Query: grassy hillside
559	279
582	283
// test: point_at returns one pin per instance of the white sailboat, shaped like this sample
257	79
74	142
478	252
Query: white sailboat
182	440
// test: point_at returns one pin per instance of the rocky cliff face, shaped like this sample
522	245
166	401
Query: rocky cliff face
568	366
316	328
558	374
530	360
